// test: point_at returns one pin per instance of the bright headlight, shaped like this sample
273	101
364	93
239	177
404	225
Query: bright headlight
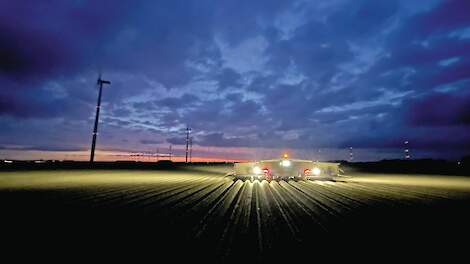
285	163
256	170
316	171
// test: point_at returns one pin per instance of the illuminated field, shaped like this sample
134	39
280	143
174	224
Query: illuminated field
204	212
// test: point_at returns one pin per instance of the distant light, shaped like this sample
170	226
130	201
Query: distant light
8	161
285	163
286	156
257	170
316	171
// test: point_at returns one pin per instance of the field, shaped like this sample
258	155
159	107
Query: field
202	213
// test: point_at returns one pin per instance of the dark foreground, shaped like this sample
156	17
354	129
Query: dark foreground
198	214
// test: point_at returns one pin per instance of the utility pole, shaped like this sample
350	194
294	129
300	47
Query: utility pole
188	130
100	83
407	150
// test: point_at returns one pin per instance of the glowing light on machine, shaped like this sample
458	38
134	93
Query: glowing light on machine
256	170
285	155
306	171
266	171
285	163
316	171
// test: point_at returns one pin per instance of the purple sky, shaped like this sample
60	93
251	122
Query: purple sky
245	75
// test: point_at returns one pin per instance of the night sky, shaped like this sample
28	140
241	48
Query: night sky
251	78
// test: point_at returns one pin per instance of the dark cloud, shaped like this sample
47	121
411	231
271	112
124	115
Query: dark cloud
176	140
440	109
358	19
43	148
44	39
315	49
219	140
122	112
176	102
228	78
447	16
41	101
150	142
241	19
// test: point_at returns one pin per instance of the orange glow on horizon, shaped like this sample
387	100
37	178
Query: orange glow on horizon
101	156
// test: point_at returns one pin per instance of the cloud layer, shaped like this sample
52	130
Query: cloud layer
264	74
